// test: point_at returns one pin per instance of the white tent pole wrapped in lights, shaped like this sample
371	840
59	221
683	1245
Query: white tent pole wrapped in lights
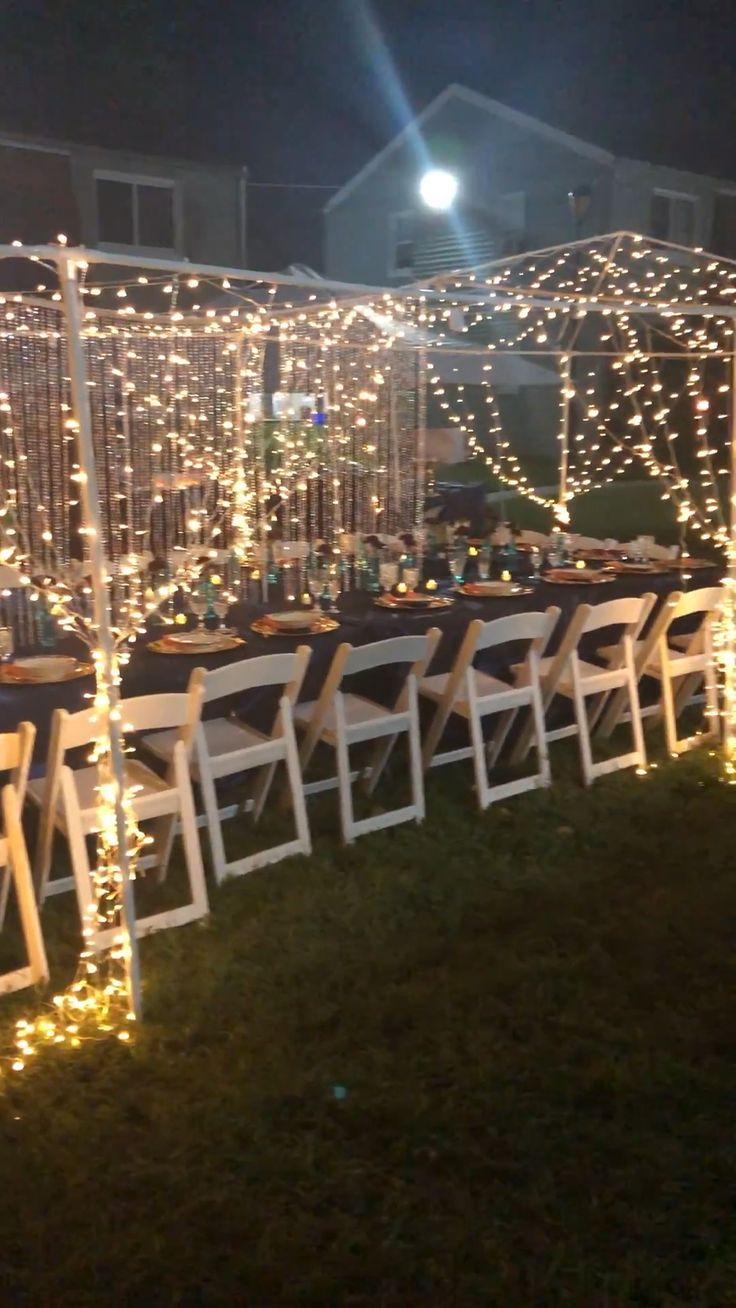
139	381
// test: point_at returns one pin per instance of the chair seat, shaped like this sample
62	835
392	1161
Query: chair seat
137	774
434	688
222	735
358	712
587	672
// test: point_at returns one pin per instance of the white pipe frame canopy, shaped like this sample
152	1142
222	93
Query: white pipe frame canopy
614	318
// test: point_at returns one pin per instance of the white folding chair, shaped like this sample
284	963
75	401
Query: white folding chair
681	663
16	752
68	802
579	680
586	542
227	746
14	855
475	695
340	719
614	710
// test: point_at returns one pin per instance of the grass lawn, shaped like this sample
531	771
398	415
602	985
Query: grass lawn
490	1061
623	509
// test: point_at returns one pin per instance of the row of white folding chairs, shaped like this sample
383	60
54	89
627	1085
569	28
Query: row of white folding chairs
661	553
172	730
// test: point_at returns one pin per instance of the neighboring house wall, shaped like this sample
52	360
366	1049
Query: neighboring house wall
517	178
121	201
516	173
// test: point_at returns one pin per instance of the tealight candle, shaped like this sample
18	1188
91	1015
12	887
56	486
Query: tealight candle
180	619
306	598
580	563
216	581
472	551
506	575
401	588
431	584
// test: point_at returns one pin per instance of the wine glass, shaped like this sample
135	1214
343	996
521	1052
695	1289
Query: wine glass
388	575
536	561
411	577
484	564
198	605
458	559
315	581
333	586
221	607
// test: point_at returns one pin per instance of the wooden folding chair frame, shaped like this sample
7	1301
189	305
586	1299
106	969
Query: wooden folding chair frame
15	856
403	717
536	628
16	753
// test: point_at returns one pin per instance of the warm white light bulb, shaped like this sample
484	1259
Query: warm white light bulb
438	188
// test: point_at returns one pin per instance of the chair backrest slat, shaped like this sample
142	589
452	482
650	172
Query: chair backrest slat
535	626
706	600
398	650
157	712
628	613
249	674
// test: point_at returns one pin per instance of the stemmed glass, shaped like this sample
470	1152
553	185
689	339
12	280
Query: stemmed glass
333	586
221	606
458	559
411	578
388	575
484	564
315	582
198	605
536	561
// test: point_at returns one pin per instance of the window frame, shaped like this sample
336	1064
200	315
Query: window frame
134	180
668	193
396	269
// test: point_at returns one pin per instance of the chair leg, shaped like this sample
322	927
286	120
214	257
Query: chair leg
77	851
296	787
44	846
637	729
189	832
540	732
343	784
415	761
614	709
379	759
581	717
499	737
668	710
261	789
479	758
711	701
434	734
214	823
27	907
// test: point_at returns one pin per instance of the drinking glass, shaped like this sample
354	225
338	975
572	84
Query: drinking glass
536	561
388	575
6	644
315	581
221	608
484	564
458	559
411	577
333	586
198	605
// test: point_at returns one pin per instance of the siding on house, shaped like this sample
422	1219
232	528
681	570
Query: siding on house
48	187
515	175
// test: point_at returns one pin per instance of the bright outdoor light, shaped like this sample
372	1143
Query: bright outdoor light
438	188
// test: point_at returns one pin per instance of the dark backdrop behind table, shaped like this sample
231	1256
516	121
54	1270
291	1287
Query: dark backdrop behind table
361	623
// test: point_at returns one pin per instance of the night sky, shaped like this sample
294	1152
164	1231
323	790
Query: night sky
305	91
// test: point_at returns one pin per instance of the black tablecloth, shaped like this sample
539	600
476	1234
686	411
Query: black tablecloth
361	622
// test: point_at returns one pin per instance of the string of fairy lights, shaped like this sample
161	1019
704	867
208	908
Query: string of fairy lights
226	418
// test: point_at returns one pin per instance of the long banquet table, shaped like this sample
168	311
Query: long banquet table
361	622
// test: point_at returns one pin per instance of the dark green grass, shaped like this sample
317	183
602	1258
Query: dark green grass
489	1061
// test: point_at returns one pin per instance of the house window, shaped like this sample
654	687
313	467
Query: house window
723	235
135	211
672	217
401	256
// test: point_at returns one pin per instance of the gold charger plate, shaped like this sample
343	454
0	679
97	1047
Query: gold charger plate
401	605
470	590
10	675
685	565
579	580
320	625
169	645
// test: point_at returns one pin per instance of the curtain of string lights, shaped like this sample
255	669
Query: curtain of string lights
154	412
